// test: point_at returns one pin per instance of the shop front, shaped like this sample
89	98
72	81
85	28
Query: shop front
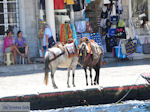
121	27
140	23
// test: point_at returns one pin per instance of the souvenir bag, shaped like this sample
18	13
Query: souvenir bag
146	46
139	47
118	52
120	33
130	47
110	43
112	32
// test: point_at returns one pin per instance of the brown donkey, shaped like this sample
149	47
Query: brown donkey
91	56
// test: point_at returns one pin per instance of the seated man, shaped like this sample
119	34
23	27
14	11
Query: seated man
9	46
22	46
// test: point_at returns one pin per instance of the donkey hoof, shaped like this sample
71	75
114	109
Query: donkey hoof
55	87
74	85
92	84
68	86
86	84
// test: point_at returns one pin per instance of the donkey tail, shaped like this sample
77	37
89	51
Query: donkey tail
46	70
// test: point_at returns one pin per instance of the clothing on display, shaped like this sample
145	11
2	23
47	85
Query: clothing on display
80	26
69	2
62	34
66	33
104	13
42	4
58	4
78	5
74	34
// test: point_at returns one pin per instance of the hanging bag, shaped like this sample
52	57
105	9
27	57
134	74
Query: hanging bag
146	46
130	47
118	52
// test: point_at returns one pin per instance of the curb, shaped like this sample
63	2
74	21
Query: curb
21	68
79	98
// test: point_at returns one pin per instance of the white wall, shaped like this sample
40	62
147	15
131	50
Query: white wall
28	24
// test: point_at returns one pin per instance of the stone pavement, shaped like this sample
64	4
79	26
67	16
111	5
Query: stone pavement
19	80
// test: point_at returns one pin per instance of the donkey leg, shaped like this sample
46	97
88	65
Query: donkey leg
95	79
86	76
98	76
73	74
52	77
90	69
68	77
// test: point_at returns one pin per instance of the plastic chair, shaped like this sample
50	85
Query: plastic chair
22	60
8	58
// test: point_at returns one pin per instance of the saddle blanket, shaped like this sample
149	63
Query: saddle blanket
71	48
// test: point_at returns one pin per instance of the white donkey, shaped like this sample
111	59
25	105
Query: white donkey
57	57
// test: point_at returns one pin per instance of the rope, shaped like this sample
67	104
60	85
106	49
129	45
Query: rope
128	91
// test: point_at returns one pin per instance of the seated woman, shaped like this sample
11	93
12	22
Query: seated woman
9	46
22	46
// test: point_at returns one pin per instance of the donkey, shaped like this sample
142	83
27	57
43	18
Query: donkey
55	57
90	55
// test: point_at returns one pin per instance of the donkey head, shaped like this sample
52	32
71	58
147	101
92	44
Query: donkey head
83	52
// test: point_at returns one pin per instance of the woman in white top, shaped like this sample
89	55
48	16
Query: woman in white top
48	40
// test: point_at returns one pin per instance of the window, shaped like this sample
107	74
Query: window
9	16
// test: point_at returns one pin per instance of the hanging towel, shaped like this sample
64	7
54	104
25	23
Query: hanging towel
66	31
58	4
62	34
88	1
74	34
78	5
69	2
69	32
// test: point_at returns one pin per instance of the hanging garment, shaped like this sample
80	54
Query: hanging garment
88	1
69	2
78	5
58	4
42	4
62	34
119	7
80	26
113	13
121	23
104	13
74	34
66	30
70	35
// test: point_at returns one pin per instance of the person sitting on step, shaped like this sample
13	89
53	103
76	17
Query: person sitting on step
22	46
